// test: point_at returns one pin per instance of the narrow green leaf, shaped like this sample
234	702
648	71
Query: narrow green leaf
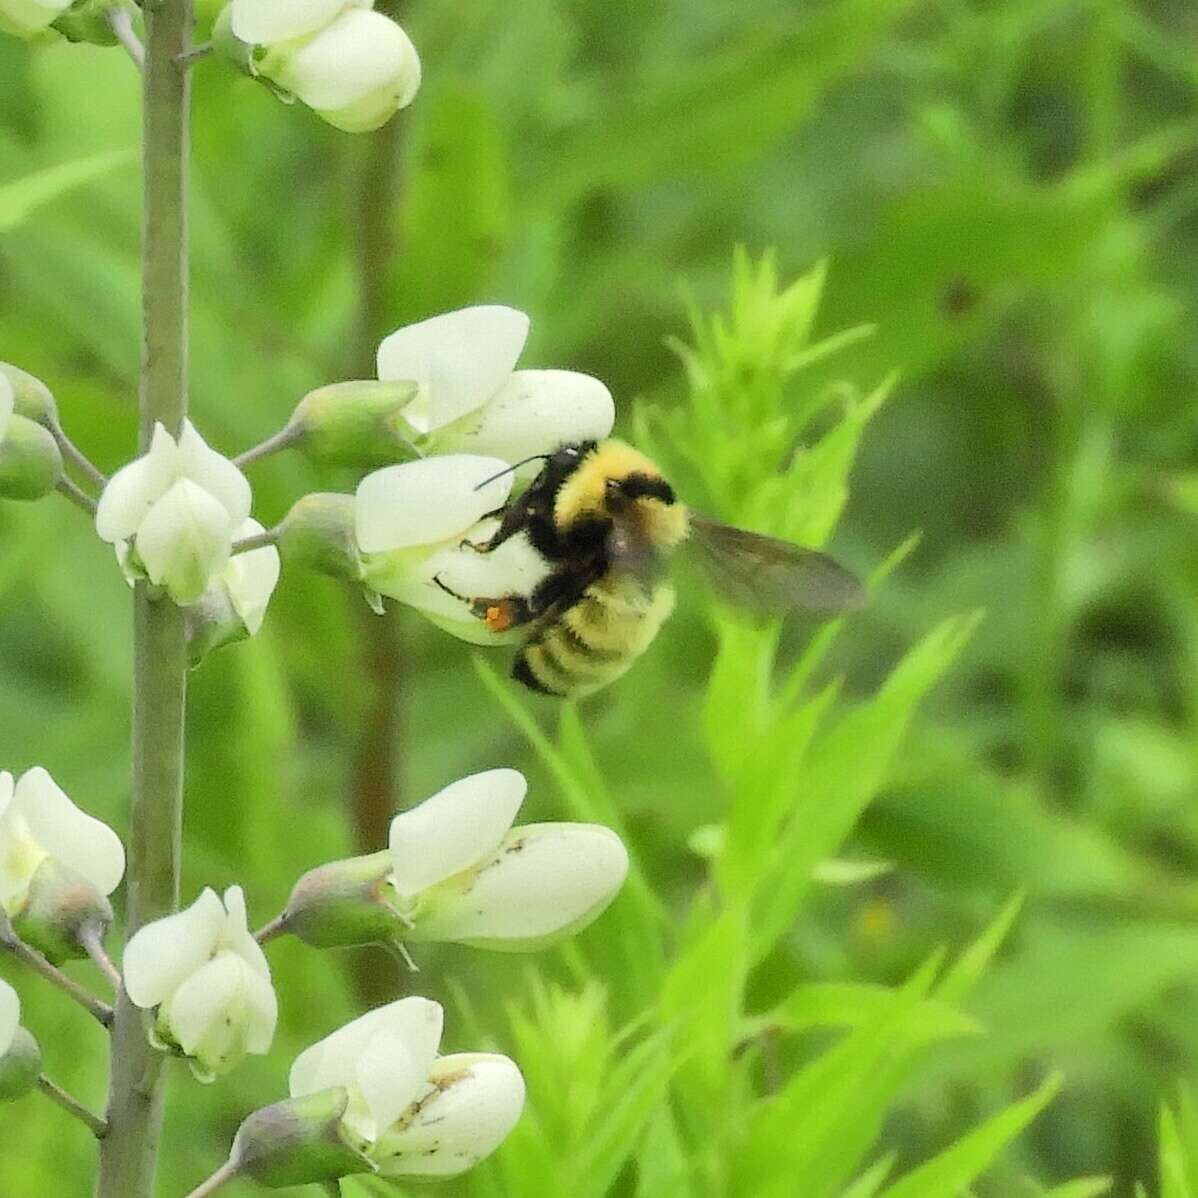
945	1175
21	198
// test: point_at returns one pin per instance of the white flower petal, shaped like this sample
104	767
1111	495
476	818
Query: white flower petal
216	474
7	791
536	411
251	578
334	1060
454	829
261	22
10	1015
515	568
392	1071
545	880
7	403
165	953
477	1101
20	853
221	1012
427	501
357	55
135	488
184	541
460	359
235	934
78	840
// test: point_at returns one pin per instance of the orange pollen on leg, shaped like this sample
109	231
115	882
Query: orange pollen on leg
499	616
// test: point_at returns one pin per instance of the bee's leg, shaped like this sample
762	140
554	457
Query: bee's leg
497	613
511	611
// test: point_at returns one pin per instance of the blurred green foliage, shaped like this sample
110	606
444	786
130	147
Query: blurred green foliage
1004	191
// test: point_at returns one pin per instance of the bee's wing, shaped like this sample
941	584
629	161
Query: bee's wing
767	576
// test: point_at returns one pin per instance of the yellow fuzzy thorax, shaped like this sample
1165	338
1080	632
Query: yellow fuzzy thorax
585	491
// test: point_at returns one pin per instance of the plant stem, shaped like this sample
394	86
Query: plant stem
220	1178
73	454
121	24
89	937
76	495
270	931
281	440
12	943
129	1152
258	541
72	1106
378	757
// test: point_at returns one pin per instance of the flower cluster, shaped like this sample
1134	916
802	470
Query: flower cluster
472	416
353	66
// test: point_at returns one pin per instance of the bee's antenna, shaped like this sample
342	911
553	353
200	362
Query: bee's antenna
536	457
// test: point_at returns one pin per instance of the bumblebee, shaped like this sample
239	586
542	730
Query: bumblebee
606	521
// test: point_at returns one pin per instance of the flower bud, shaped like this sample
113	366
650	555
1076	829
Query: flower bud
59	907
357	423
31	397
20	1066
355	73
344	903
301	1141
30	18
30	461
318	533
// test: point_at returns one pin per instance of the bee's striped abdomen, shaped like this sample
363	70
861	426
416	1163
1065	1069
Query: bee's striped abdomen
596	639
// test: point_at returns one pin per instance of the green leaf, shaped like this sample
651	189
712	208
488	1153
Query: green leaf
20	199
945	1175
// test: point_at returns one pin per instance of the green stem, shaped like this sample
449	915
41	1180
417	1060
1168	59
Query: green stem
56	1094
218	1180
130	1149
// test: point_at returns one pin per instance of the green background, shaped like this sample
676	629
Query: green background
1006	190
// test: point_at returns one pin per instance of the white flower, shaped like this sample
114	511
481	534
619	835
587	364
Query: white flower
415	1114
264	22
410	522
179	505
464	874
38	821
27	17
473	399
209	980
355	72
10	1016
249	580
7	403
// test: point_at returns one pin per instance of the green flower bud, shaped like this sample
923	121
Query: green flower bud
356	423
30	462
87	21
31	397
59	907
345	903
20	1066
318	533
301	1141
